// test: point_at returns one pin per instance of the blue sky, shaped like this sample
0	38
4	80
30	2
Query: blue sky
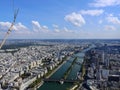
61	19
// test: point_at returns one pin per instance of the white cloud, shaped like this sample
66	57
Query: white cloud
36	23
113	19
19	30
100	21
64	33
4	25
37	27
67	30
109	27
45	28
18	27
104	3
92	12
57	30
55	26
75	19
63	30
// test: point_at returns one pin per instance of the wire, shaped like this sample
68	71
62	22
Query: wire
13	6
11	27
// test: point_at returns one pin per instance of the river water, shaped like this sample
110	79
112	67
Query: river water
60	72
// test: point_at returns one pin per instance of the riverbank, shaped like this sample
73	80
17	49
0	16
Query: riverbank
78	85
69	69
51	73
59	66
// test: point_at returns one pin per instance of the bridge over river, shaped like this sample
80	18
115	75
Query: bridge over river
61	80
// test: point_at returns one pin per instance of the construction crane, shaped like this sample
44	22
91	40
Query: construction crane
11	27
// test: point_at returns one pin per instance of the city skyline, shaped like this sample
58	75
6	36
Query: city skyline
75	19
